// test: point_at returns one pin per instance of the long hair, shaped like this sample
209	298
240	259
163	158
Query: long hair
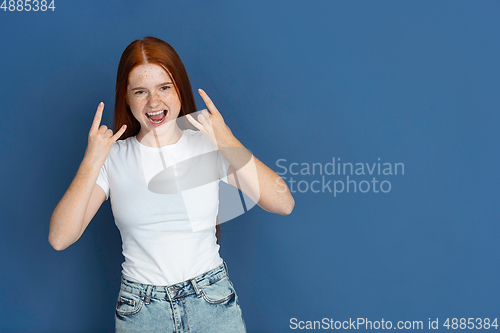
151	50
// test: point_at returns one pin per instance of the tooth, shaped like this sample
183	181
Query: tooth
155	113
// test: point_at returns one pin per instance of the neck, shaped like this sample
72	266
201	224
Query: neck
160	137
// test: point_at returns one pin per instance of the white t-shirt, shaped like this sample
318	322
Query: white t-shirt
165	202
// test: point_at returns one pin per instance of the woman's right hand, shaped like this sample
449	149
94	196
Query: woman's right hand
101	138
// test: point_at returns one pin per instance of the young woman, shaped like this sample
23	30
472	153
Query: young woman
162	181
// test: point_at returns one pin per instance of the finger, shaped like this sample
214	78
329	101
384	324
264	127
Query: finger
109	133
119	133
194	122
202	119
103	129
208	102
206	115
97	117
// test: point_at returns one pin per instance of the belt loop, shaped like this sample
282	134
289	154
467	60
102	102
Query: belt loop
198	293
147	298
225	267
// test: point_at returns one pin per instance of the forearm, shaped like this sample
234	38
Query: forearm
252	176
67	219
257	180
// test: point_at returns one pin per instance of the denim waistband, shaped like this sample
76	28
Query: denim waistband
147	291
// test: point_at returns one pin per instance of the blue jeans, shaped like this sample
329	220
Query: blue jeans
206	303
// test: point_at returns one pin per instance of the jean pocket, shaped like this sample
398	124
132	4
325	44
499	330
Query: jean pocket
128	303
218	292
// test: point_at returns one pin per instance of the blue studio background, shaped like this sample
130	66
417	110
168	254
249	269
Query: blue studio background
411	82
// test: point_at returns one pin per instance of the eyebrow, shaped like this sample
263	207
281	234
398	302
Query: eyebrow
160	85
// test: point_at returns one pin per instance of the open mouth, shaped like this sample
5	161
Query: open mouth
157	117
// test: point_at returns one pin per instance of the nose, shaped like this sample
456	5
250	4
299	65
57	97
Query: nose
154	101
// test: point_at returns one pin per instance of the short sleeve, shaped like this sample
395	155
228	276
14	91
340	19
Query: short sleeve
222	167
102	179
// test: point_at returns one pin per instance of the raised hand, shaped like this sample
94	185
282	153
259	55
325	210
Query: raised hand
211	124
101	138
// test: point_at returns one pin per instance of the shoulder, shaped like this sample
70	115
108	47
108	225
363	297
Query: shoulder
196	135
122	146
121	152
198	141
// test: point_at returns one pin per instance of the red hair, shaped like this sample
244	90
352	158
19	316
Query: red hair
151	50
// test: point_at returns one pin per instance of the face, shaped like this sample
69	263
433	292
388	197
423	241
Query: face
152	97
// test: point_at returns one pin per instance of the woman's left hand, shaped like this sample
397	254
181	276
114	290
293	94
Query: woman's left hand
211	123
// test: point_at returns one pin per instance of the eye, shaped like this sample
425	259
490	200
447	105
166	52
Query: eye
165	87
138	92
